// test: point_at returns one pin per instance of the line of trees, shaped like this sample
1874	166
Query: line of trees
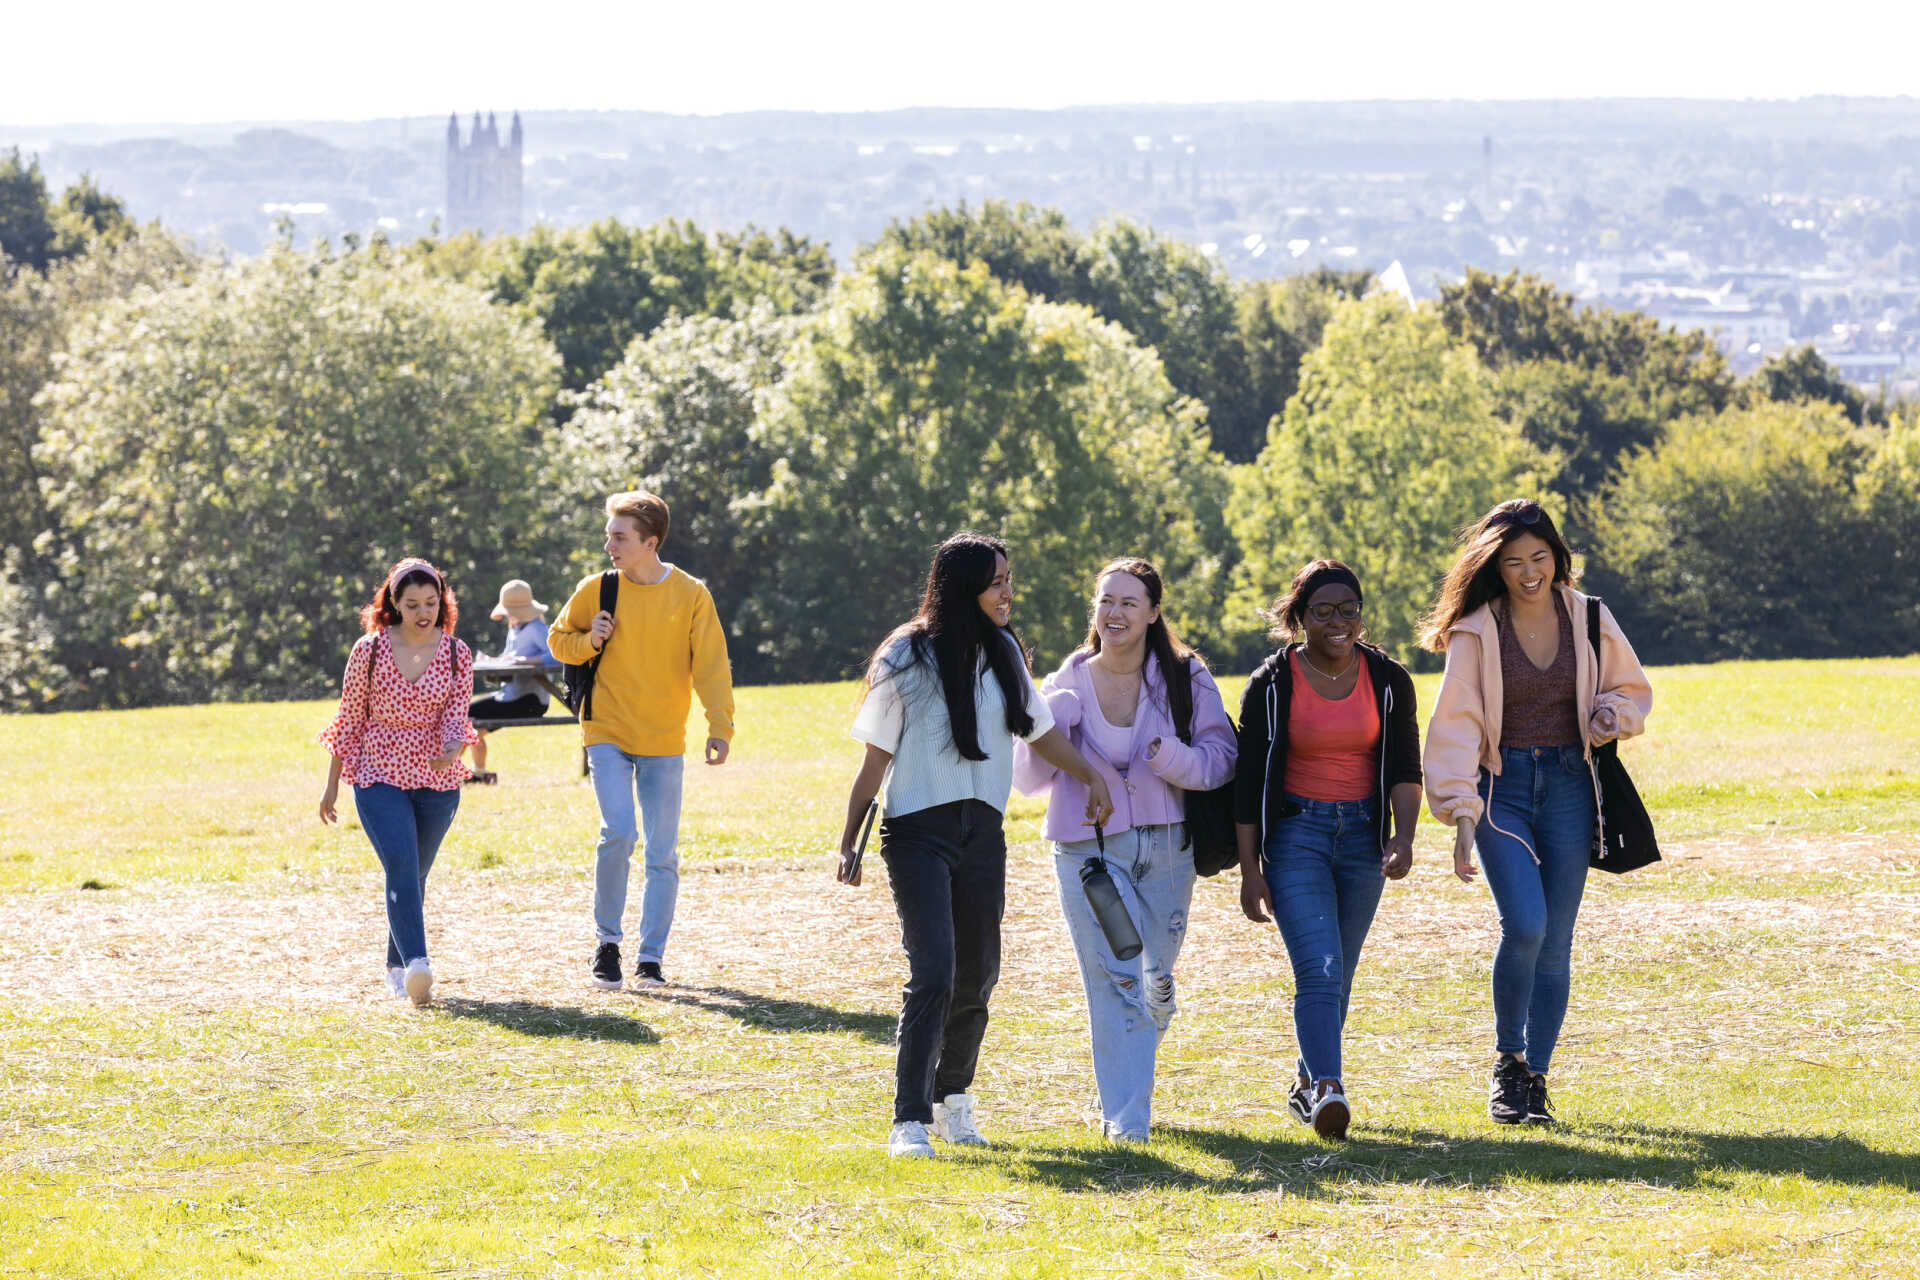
209	461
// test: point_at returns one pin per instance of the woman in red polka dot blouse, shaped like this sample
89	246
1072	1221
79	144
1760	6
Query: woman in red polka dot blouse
397	739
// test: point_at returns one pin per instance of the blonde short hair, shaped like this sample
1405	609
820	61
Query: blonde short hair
648	511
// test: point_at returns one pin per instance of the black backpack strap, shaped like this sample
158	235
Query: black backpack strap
1183	729
373	656
1593	637
609	597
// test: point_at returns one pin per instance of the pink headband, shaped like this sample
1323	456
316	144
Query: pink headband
407	566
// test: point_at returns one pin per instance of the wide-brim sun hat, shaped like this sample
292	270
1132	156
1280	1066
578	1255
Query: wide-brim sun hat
517	603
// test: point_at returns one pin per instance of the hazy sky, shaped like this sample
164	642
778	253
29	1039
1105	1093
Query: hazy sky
210	60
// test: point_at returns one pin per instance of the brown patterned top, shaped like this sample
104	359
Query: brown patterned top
1540	709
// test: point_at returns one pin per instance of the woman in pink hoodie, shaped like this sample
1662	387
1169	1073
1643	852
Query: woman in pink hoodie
1144	710
1508	764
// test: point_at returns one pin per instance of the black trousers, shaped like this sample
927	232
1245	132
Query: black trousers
524	707
948	869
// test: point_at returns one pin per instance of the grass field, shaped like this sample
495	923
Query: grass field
197	1079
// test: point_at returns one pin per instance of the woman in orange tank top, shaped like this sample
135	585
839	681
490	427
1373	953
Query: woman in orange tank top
1325	800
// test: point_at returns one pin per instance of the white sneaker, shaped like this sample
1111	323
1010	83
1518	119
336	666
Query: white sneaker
397	983
1114	1133
419	981
909	1138
953	1121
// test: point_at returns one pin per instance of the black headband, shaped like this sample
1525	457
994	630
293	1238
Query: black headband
1322	576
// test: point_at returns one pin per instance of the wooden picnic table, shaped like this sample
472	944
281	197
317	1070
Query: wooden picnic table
545	674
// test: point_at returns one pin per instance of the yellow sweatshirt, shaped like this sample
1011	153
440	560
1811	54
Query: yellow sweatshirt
666	645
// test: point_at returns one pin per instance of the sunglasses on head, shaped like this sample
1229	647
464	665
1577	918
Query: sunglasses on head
1527	513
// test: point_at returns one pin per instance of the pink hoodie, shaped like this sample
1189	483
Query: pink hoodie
1464	735
1151	795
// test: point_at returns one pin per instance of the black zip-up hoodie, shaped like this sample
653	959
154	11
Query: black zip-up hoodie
1259	790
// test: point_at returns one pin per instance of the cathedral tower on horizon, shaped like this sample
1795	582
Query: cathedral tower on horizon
483	178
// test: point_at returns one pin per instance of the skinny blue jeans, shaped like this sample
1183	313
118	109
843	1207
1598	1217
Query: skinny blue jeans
1129	1002
405	829
1533	839
621	781
1323	869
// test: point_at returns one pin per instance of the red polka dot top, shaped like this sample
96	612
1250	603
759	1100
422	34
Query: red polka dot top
390	732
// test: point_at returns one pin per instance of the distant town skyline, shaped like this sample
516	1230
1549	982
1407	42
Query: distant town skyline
216	61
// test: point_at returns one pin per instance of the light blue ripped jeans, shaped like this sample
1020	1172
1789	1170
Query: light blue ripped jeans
1129	1002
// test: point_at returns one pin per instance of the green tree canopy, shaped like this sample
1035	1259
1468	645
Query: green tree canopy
1036	249
926	398
26	220
233	462
1279	322
1162	290
36	232
1800	374
1586	384
596	288
36	313
1389	446
676	416
1766	531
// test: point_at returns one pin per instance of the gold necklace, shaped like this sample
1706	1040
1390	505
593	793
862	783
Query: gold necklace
1317	671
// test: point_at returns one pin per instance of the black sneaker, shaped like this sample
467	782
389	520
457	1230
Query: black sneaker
1507	1100
606	966
1537	1110
1300	1101
647	974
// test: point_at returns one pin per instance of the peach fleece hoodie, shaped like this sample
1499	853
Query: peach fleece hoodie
1464	735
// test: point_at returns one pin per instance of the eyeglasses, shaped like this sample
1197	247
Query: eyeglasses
1323	613
1527	513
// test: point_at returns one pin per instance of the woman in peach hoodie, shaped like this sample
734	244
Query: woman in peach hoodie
1508	765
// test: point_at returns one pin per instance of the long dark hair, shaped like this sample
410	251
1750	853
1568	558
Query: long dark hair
1475	578
1162	645
949	634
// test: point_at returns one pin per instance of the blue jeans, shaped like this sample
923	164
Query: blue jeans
405	828
1323	869
1544	798
1129	1002
619	780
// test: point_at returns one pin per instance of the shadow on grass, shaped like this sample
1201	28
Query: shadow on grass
551	1021
1300	1165
769	1013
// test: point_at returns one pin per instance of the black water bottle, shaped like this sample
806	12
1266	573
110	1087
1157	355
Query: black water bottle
1108	909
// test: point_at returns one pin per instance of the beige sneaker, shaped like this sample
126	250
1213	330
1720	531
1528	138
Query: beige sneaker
419	981
1330	1114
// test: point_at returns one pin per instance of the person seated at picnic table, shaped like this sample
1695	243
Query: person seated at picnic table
523	697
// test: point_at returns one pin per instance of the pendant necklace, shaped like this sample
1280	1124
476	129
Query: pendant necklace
1317	671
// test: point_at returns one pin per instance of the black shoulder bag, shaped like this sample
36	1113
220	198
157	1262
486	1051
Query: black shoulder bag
1623	836
579	677
1209	816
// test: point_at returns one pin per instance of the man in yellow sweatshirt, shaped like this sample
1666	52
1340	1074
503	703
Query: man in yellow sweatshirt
661	644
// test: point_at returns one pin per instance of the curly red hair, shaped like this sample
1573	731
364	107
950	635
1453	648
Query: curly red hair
382	612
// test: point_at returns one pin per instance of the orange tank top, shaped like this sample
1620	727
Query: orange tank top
1332	747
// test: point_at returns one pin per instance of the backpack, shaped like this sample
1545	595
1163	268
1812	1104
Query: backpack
578	677
1623	837
1209	813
